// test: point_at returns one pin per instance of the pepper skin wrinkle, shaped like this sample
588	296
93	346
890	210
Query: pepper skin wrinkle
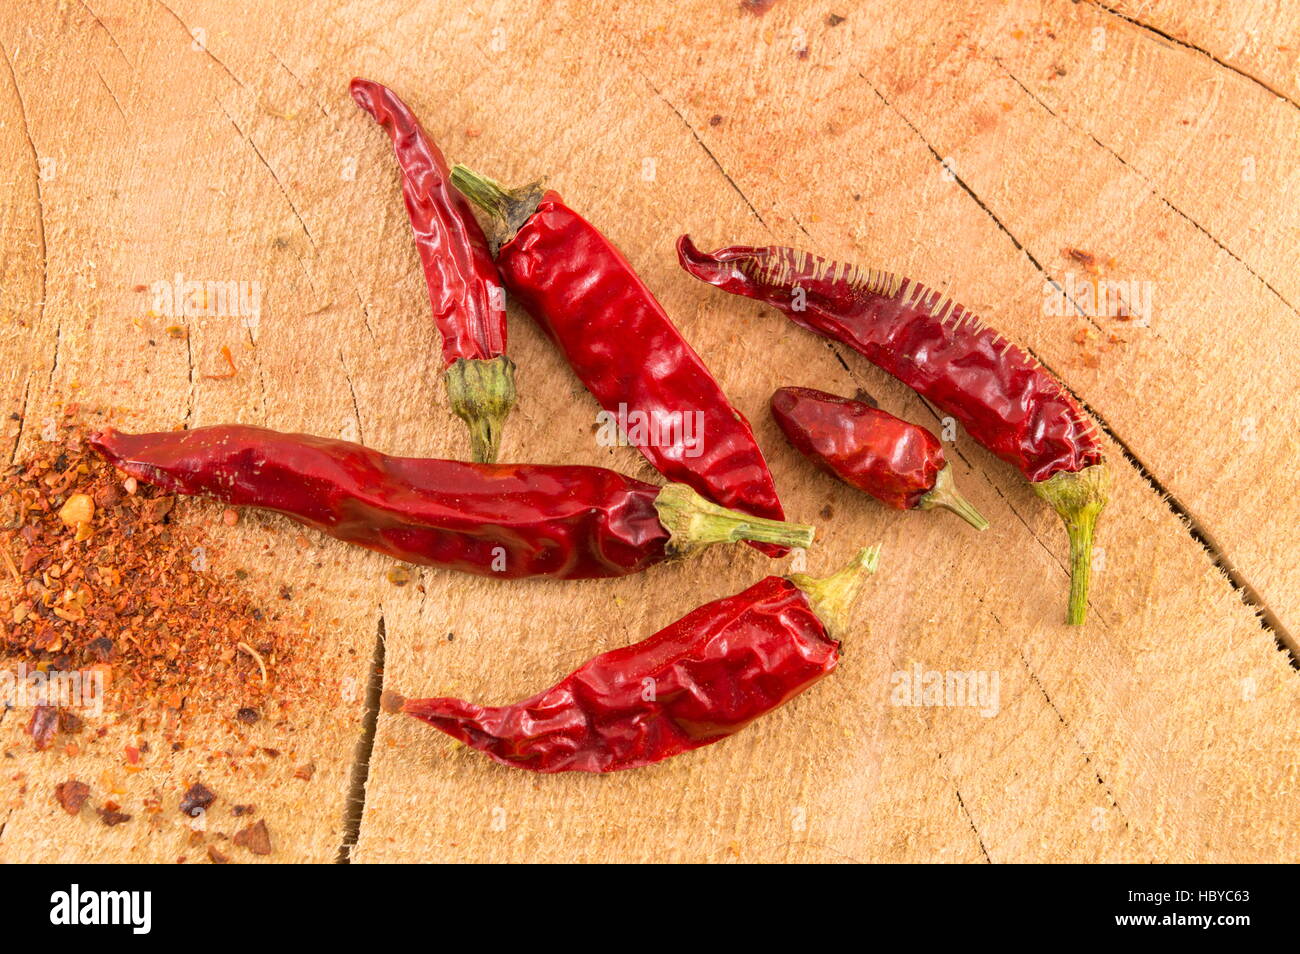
622	345
1006	400
506	520
465	289
899	463
699	680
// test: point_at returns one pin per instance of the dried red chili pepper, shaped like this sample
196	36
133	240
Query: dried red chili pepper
703	678
464	288
898	463
1004	398
623	346
510	520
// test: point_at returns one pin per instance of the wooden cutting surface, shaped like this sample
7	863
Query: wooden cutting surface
986	149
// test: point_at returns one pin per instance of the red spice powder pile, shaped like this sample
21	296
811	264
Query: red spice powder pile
95	573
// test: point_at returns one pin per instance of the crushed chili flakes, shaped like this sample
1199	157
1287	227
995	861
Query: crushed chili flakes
104	574
196	800
230	363
110	814
43	726
97	574
72	794
255	838
70	723
1090	262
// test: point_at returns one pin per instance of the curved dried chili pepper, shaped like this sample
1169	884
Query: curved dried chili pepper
464	288
1003	397
509	520
703	678
899	463
623	346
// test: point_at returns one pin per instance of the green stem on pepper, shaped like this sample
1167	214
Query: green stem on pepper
694	522
945	494
508	208
832	597
1079	497
481	394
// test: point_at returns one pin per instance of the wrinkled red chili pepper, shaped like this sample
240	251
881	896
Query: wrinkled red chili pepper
703	678
509	520
1004	398
623	346
899	463
465	291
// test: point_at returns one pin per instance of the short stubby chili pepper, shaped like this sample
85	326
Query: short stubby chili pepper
899	463
623	346
1004	398
508	520
469	306
703	678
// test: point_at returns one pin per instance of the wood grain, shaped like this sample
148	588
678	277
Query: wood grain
985	151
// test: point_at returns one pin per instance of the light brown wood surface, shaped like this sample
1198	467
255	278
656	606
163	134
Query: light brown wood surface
970	146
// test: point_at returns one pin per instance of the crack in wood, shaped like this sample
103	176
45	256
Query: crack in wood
202	45
190	392
356	800
40	221
1065	722
111	94
307	89
104	26
22	420
1156	31
973	827
356	409
1147	181
1268	619
965	187
259	371
707	151
279	185
365	313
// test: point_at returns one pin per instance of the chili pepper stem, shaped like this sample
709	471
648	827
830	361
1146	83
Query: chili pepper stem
945	494
509	208
482	394
1078	496
694	522
832	597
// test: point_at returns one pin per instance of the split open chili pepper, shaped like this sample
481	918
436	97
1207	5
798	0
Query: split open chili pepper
1004	398
899	463
703	678
509	520
465	291
621	343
